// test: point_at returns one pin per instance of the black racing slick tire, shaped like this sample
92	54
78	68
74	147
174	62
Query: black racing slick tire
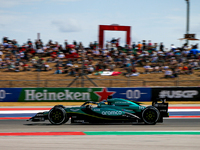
57	116
150	115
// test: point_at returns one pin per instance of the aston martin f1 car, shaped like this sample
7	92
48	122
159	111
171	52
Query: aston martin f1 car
115	110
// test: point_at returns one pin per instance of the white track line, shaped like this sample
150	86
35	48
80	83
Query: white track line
22	112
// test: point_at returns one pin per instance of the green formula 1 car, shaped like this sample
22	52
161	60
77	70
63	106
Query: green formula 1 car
116	110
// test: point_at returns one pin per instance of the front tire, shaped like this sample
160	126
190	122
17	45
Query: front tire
150	115
57	116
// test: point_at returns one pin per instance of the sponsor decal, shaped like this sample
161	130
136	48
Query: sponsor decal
136	94
103	95
32	95
39	115
3	94
178	94
111	113
74	109
59	94
122	103
40	118
96	109
141	107
79	121
9	94
161	105
163	110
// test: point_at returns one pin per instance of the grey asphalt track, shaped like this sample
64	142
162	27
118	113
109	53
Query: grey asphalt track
159	142
168	125
99	142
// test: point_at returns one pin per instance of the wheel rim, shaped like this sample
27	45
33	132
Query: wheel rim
150	116
57	116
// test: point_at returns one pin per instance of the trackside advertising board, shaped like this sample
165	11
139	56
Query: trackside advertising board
177	94
59	94
98	94
136	94
9	94
72	94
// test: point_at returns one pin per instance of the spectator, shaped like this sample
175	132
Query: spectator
185	69
161	47
168	73
133	45
25	67
147	69
75	43
149	44
72	71
175	72
144	45
90	69
14	57
46	67
139	46
66	44
10	66
190	69
58	70
1	53
61	55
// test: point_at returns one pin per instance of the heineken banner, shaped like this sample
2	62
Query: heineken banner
72	94
58	94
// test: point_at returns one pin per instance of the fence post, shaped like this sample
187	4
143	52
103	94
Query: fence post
176	83
77	83
38	79
10	84
110	82
128	81
144	83
46	83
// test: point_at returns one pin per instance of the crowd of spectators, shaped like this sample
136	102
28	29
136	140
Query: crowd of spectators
72	59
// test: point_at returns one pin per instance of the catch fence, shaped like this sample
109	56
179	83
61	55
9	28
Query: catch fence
98	82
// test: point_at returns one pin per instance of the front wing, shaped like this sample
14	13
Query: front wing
41	116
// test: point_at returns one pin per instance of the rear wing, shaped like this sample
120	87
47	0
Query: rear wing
162	107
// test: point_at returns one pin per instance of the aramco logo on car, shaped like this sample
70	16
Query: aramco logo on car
112	113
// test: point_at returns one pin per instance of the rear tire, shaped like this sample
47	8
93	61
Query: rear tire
150	115
57	116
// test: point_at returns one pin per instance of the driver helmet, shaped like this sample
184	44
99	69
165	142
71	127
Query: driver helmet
110	97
